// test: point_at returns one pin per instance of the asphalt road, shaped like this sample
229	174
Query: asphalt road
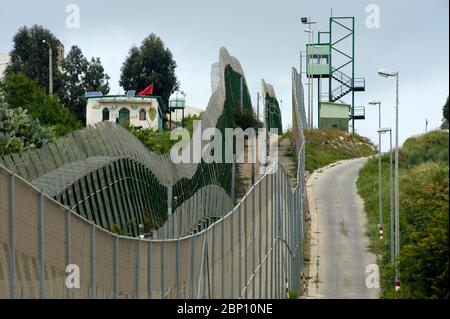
339	253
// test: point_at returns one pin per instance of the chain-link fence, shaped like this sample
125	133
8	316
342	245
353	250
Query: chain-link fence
47	250
254	251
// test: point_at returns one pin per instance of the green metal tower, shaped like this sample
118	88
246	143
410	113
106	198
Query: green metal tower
334	59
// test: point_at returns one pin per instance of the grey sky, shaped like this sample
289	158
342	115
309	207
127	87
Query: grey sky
266	37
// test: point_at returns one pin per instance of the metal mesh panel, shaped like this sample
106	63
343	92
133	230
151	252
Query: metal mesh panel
54	248
127	268
155	269
26	240
104	264
170	268
81	255
184	273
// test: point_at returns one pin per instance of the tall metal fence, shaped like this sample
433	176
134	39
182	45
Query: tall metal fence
254	251
251	250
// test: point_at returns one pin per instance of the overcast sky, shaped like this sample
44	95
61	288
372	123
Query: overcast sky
266	36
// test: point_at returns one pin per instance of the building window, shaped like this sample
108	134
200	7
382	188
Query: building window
105	115
142	115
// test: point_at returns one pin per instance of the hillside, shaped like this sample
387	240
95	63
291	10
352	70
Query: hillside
424	182
326	146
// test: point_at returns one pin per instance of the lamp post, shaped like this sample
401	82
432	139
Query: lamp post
380	191
385	73
310	78
307	20
391	197
50	68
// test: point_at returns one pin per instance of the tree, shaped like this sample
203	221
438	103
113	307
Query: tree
21	92
81	76
30	56
96	79
75	67
445	115
150	63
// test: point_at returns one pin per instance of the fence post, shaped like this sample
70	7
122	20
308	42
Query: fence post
245	247
93	284
192	282
232	253
149	270
213	255
116	267
253	241
177	263
68	246
41	246
222	282
278	232
138	268
240	252
266	296
260	239
272	236
162	269
12	236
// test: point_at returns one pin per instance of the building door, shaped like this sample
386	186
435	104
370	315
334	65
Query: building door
124	117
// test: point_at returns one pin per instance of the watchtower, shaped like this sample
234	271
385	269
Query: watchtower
332	59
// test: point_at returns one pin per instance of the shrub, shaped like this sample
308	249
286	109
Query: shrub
21	92
19	131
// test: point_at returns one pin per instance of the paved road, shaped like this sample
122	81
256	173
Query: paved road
339	253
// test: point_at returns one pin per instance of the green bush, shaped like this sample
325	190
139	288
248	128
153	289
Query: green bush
424	196
19	131
21	92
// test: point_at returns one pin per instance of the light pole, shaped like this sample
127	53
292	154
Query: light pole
307	20
385	73
50	68
391	197
380	191
308	75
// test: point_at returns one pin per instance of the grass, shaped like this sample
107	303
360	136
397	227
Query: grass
160	142
423	217
326	146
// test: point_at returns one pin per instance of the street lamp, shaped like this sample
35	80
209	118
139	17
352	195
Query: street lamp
307	20
50	68
385	73
380	195
391	197
308	70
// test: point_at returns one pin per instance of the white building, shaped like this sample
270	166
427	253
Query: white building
144	112
4	60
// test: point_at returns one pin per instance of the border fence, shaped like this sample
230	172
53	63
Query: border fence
251	250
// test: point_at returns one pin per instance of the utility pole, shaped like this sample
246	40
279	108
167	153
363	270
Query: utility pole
426	126
391	196
50	68
307	20
397	219
380	189
385	73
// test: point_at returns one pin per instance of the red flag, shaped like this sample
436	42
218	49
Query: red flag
147	91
